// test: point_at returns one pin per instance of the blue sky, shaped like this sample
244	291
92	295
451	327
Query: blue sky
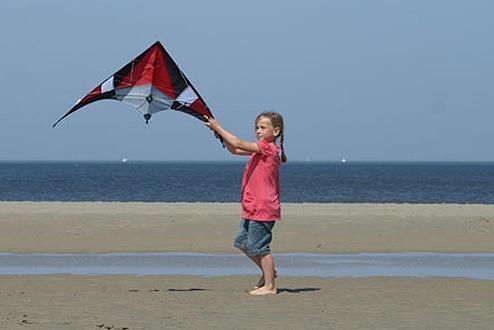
361	80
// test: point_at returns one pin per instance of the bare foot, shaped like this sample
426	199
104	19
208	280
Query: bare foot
260	283
263	291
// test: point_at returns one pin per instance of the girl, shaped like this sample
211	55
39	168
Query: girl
260	193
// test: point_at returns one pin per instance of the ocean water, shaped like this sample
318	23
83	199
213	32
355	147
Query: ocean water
220	182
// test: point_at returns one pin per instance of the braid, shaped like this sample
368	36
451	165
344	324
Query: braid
282	145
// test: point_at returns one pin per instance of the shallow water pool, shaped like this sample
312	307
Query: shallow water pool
410	264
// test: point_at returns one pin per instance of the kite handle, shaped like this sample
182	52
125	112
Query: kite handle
216	135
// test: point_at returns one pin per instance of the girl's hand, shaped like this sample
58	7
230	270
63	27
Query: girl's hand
211	123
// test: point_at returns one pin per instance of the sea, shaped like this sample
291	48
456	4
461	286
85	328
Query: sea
301	182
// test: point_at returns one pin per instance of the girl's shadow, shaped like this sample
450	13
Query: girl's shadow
300	290
187	290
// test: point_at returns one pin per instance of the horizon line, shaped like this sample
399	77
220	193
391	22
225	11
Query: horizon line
126	160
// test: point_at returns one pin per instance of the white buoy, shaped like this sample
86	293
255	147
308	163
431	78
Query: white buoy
124	160
343	160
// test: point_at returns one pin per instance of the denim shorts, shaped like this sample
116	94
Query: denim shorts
253	237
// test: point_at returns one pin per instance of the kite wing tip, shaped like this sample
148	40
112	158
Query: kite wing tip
59	120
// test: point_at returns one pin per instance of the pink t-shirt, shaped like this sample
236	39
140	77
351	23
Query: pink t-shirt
261	186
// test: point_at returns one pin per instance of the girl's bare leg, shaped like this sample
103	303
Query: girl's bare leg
267	266
257	261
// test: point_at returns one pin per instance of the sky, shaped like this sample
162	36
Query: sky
381	80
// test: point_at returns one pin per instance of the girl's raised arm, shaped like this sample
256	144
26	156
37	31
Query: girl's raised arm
233	143
236	151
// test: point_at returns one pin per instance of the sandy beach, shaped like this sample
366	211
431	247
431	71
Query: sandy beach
210	227
170	302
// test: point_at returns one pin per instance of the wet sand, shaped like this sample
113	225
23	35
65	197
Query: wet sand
170	302
73	302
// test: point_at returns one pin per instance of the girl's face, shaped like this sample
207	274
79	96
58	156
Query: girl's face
265	130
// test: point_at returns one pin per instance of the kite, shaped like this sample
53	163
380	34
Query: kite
151	82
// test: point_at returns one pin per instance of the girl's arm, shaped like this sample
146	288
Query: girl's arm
233	143
234	150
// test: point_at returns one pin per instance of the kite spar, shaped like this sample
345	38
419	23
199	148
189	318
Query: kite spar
151	82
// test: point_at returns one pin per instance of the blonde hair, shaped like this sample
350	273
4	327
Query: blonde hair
277	121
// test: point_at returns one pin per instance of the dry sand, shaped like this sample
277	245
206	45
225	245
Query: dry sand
209	227
167	302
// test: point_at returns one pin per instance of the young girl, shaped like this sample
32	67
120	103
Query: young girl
260	193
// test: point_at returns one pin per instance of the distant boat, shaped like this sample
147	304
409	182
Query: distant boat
343	160
124	160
